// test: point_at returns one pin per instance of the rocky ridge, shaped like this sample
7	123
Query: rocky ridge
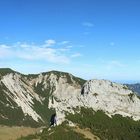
35	97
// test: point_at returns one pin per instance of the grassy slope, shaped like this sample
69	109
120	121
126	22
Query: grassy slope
98	123
12	133
115	128
62	132
86	132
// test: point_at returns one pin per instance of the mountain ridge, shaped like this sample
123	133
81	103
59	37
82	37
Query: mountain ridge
30	92
35	97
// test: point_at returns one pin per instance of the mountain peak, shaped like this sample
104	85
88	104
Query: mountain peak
36	96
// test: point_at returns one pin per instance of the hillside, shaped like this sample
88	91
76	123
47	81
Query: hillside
91	125
100	107
24	99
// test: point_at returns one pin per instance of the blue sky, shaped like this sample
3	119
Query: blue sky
88	38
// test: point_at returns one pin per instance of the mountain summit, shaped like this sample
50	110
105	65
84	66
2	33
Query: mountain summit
32	99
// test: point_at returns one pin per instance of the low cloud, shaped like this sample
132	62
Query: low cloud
43	52
49	43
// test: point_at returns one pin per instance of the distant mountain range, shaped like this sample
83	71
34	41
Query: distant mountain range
135	87
31	99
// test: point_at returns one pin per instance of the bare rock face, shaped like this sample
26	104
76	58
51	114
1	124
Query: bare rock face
35	97
31	95
112	98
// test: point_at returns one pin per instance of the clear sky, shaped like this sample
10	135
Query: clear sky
88	38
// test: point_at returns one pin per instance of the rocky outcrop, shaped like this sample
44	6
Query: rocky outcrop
112	98
31	94
37	96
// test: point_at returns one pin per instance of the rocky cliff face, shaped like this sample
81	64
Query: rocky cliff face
112	98
26	98
31	99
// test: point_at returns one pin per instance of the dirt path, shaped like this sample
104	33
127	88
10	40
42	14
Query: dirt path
86	133
12	133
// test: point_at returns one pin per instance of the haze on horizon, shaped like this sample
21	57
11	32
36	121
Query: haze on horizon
88	38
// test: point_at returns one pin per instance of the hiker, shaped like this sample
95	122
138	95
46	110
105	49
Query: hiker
53	120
